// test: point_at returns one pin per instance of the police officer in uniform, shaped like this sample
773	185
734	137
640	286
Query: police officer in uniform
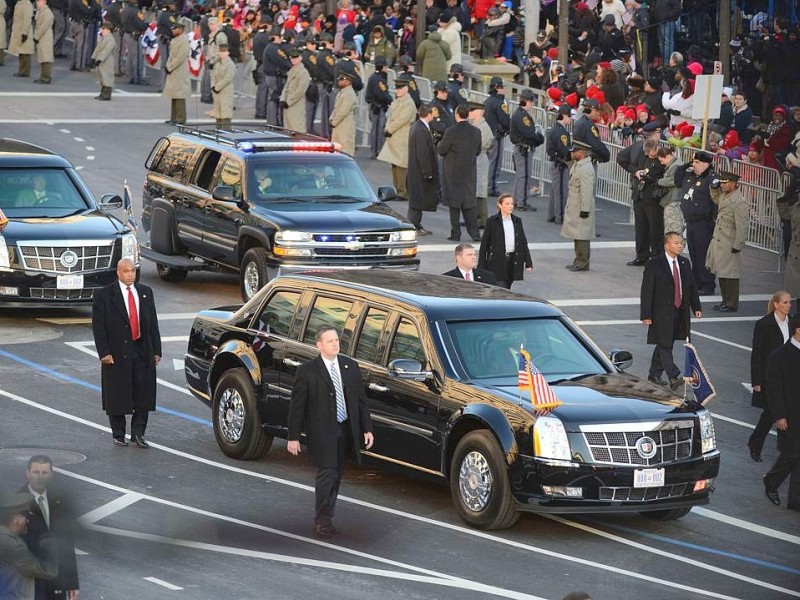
133	27
499	121
60	26
379	99
407	69
91	32
327	91
114	17
309	56
216	38
584	130
559	142
526	136
167	17
80	13
260	41
700	213
274	66
442	115
349	62
456	93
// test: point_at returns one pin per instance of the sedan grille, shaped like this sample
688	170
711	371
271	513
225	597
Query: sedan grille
629	494
74	258
672	444
54	294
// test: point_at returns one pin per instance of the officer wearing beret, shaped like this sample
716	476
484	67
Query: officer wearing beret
500	122
586	131
526	136
379	100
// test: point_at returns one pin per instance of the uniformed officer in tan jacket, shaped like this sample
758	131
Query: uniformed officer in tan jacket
22	36
222	86
343	117
178	85
402	114
293	96
103	61
43	38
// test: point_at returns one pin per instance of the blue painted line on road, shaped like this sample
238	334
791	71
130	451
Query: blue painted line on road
706	549
96	388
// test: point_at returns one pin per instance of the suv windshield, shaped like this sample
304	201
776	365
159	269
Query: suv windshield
490	349
39	193
311	178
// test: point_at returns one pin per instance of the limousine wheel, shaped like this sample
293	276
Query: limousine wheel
253	272
479	483
171	274
237	426
668	514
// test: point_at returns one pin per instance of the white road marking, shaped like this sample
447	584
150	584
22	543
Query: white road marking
80	552
108	509
65	131
65	320
178	364
176	316
95	121
636	301
79	168
532	245
410	516
780	535
696	322
748	386
722	341
90	148
79	139
738	422
163	583
90	157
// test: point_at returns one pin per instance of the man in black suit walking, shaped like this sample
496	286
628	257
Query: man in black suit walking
668	298
125	327
329	398
48	517
467	266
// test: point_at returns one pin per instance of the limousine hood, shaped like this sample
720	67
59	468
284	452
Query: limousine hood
88	225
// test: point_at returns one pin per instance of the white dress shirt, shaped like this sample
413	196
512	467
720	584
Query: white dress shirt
124	289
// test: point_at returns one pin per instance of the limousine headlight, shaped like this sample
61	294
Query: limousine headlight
407	235
550	439
708	439
5	256
292	236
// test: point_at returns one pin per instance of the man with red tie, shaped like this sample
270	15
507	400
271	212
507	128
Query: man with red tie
125	327
668	299
467	266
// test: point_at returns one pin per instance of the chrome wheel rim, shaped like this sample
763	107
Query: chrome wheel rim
251	279
230	415
475	481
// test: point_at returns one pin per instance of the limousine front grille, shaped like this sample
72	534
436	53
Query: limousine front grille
72	258
630	494
54	294
673	442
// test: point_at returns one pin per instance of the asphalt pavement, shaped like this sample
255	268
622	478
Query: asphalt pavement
181	520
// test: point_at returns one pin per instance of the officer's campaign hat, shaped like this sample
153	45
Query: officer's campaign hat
440	86
579	145
350	46
14	504
496	82
345	74
456	68
565	109
527	94
591	103
402	80
380	62
326	37
703	157
294	53
276	31
651	127
475	105
725	176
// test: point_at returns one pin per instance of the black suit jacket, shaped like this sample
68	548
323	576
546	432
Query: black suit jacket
657	295
112	335
767	338
481	275
492	253
783	381
313	404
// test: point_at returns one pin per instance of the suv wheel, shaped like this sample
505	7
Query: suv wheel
668	514
253	272
171	274
237	426
479	483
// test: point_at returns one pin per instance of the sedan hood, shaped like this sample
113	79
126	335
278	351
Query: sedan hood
90	225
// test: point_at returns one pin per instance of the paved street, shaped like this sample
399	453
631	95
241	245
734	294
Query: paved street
181	520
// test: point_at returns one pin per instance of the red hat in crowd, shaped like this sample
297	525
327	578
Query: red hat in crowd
604	65
621	109
780	109
592	91
629	114
600	97
552	53
757	145
643	108
731	140
554	93
696	68
572	100
685	129
581	6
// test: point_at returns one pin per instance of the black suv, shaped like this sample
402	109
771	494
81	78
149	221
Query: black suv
263	202
440	362
56	243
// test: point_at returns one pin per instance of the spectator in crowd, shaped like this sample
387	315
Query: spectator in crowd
609	38
379	46
671	200
345	16
408	39
450	30
579	213
636	93
742	116
423	170
494	33
401	115
504	247
732	147
614	8
665	16
778	136
770	333
432	57
725	120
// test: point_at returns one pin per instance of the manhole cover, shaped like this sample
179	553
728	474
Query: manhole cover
14	332
10	457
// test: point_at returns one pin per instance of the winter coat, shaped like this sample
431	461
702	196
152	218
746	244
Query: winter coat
730	233
178	85
482	163
791	277
767	338
432	57
402	113
451	35
294	94
22	26
422	179
343	119
104	52
459	146
222	87
492	253
43	35
383	47
783	381
3	25
657	300
580	199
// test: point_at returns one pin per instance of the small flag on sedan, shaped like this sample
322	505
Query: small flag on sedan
529	378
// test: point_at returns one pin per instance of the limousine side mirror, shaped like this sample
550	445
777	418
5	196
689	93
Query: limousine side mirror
110	202
622	359
224	193
403	368
386	192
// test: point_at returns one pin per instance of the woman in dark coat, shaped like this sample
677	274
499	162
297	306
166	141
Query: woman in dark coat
494	254
770	333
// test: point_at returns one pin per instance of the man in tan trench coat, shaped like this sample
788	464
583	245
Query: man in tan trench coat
178	85
222	78
43	38
22	36
293	96
2	33
103	61
578	222
343	116
724	257
402	114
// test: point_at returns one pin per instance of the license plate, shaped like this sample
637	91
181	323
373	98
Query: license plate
69	282
645	478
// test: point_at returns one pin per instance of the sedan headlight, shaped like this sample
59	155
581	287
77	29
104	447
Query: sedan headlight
407	235
708	439
282	237
550	439
130	247
5	257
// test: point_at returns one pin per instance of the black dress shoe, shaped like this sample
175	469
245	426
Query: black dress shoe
19	75
169	122
325	531
454	239
120	441
636	262
676	383
493	193
727	309
559	221
756	456
476	239
551	220
772	494
657	380
139	441
717	306
422	232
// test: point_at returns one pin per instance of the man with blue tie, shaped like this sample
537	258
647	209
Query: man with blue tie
330	404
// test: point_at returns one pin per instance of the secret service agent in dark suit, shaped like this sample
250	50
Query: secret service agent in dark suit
49	517
770	333
336	418
466	266
128	358
783	381
668	315
506	258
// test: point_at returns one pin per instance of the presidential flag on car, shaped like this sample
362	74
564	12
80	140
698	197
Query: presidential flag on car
530	379
127	204
698	378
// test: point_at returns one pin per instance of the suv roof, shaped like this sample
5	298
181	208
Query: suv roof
253	139
440	296
15	153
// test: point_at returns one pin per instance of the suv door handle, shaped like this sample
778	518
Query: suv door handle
291	362
377	387
208	208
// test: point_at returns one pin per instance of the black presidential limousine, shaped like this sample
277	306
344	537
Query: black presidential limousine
440	362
